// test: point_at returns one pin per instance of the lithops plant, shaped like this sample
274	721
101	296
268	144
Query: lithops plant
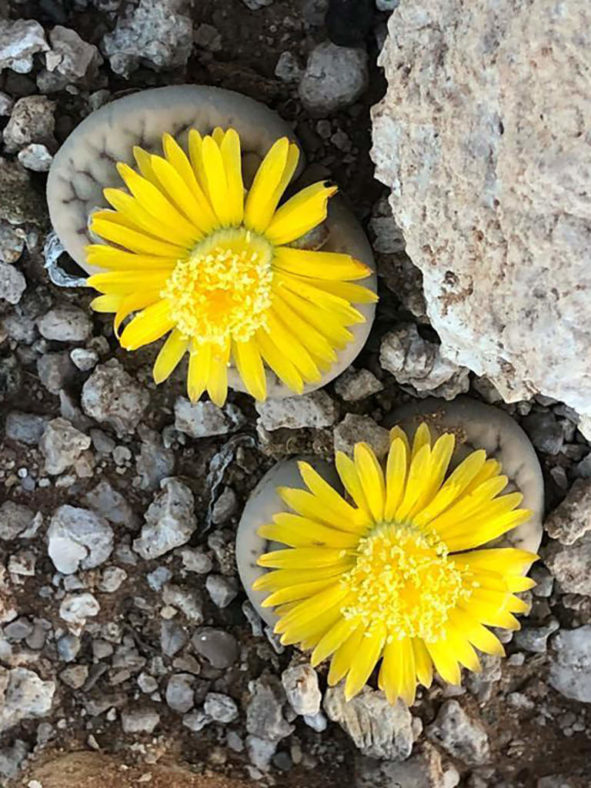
227	270
412	566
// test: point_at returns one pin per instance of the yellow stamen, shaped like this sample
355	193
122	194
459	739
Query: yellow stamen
223	289
403	578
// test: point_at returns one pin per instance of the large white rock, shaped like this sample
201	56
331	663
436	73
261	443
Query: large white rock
481	137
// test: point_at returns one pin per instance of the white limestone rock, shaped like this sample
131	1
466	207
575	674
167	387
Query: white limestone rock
481	138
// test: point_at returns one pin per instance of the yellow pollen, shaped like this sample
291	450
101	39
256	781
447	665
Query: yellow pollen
403	578
223	289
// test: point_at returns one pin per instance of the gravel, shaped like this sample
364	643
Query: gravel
111	396
220	708
354	428
15	519
31	120
460	735
78	539
62	444
23	694
357	384
20	39
179	692
418	364
218	648
169	521
65	324
378	729
335	77
572	518
204	419
300	683
570	666
315	410
156	33
12	283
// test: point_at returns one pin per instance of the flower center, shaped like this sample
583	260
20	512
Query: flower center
223	290
404	579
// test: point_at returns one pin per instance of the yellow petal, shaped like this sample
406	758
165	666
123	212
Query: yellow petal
332	639
148	326
421	438
156	204
106	303
372	479
178	158
308	505
262	197
445	662
423	662
329	499
214	173
307	610
397	676
109	257
319	265
281	366
297	531
251	368
353	293
288	344
297	592
351	482
325	321
133	303
301	558
282	578
105	225
301	213
396	468
439	460
124	282
480	637
217	384
192	204
343	657
131	209
230	148
417	472
454	486
313	340
198	376
363	663
169	356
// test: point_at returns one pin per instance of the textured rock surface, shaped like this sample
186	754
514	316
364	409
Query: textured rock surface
572	519
481	139
22	695
170	520
378	729
570	669
463	737
157	33
419	365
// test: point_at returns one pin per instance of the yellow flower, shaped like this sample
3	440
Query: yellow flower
393	575
197	258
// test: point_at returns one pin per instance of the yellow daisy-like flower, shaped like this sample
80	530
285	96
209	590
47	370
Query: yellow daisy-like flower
197	258
393	576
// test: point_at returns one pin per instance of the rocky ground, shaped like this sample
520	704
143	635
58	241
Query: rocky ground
133	636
